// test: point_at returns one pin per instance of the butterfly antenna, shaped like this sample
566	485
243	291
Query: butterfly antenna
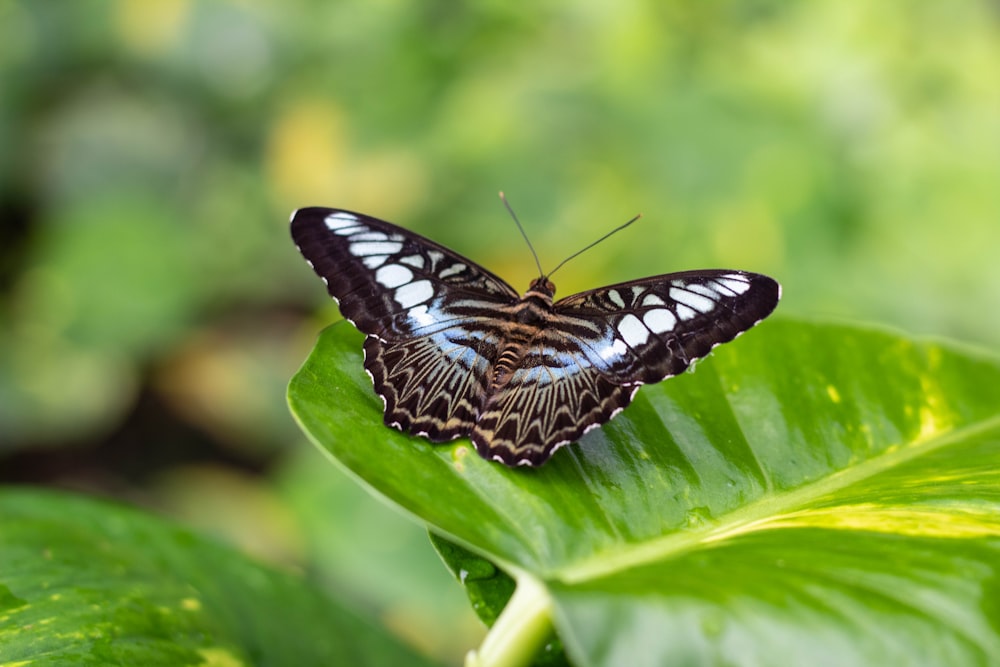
585	249
503	198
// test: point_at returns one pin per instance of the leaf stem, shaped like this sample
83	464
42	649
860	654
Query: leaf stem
521	629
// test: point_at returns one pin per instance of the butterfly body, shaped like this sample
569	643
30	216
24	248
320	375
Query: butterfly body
454	351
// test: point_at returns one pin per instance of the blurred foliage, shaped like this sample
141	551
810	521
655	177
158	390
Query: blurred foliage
99	583
152	306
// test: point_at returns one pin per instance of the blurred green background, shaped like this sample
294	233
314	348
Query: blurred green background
153	307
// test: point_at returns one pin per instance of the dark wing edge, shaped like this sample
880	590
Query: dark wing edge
377	272
659	326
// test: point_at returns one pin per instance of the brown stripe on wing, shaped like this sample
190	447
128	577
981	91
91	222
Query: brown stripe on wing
429	389
525	421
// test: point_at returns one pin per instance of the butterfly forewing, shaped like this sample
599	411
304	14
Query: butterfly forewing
388	281
653	328
453	351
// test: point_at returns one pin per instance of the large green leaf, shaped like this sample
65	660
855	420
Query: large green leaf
812	494
84	582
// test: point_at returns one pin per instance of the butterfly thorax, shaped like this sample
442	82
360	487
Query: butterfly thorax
527	317
536	304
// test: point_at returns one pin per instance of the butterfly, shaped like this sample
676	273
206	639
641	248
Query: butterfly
454	351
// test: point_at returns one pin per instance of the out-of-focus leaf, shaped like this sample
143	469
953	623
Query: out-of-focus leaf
85	582
111	285
362	550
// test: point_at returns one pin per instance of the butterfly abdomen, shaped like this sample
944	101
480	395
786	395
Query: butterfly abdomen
517	337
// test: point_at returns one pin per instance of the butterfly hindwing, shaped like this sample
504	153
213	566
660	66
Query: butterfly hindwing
542	408
432	385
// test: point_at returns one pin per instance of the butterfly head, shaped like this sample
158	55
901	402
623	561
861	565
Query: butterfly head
541	287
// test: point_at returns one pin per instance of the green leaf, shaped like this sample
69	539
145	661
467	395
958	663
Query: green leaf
89	583
378	559
489	590
810	491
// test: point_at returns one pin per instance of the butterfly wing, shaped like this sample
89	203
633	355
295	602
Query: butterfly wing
387	279
586	364
655	328
424	309
546	404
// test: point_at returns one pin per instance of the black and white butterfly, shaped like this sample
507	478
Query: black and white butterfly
454	351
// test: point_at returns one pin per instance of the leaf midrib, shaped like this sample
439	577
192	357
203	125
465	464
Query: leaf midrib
763	512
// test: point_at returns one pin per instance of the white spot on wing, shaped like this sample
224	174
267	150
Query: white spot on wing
633	331
734	282
374	261
340	219
695	301
416	261
452	270
411	294
659	320
616	298
684	312
653	300
421	316
375	248
617	349
370	236
393	275
704	290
